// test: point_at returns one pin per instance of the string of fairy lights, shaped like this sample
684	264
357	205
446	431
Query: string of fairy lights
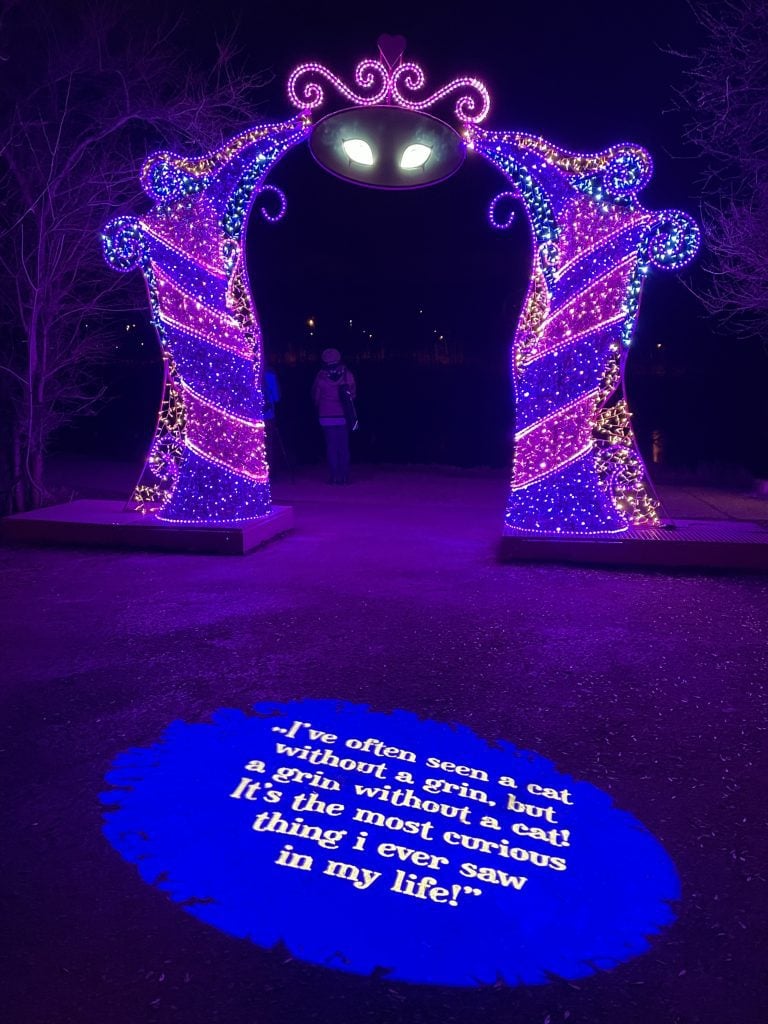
576	468
207	461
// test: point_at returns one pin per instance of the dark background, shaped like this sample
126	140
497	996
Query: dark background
434	385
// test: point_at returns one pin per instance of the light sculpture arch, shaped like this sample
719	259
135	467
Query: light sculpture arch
575	465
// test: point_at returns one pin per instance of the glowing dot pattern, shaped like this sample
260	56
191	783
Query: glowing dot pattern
192	315
226	439
207	461
576	468
568	429
378	83
190	230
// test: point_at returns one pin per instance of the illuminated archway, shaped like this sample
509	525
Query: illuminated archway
575	466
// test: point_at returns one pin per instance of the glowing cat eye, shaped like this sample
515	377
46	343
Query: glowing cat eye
415	155
359	151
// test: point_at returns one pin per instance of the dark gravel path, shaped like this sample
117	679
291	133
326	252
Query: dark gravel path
650	686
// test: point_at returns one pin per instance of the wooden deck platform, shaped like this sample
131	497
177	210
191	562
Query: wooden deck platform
92	523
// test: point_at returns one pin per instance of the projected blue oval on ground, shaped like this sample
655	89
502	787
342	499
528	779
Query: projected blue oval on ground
383	842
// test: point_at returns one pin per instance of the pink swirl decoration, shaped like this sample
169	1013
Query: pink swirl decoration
509	219
472	107
380	84
308	95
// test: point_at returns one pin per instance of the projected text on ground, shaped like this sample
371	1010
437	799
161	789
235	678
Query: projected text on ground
368	841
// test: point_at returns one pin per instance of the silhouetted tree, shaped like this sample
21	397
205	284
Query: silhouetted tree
726	95
85	94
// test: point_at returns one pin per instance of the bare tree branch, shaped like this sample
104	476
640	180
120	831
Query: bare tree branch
726	98
84	97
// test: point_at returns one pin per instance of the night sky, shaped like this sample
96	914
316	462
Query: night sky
584	76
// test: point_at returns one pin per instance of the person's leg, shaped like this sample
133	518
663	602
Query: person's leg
343	464
330	453
341	461
338	453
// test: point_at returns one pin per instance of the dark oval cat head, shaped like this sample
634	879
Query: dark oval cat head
387	147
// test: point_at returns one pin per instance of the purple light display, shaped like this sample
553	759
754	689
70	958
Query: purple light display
383	84
207	462
575	465
576	468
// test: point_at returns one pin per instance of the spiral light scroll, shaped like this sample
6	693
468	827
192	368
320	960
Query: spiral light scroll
163	179
672	240
471	107
309	94
627	172
123	243
278	193
502	197
379	84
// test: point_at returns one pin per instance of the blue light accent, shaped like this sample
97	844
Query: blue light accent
606	255
574	376
224	377
203	485
560	503
196	280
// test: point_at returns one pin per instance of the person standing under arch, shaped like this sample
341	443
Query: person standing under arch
331	380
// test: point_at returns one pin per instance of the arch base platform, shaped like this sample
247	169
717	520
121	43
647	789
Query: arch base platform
95	523
684	544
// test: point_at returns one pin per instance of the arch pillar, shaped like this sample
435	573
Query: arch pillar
207	461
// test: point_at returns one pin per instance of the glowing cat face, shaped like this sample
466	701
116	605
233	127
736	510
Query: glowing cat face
387	147
359	152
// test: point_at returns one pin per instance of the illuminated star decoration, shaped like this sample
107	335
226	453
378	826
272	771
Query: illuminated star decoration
576	468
